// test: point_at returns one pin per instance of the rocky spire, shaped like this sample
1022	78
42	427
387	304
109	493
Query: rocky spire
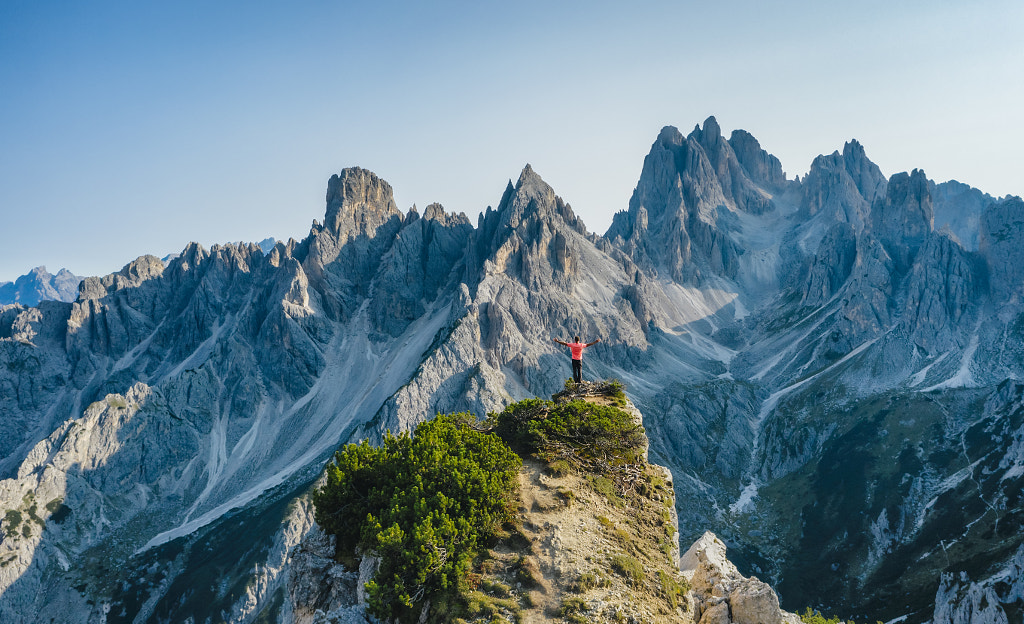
865	174
671	224
358	202
903	218
736	184
842	186
359	227
530	233
760	166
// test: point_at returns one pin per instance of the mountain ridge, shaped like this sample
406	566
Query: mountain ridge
746	365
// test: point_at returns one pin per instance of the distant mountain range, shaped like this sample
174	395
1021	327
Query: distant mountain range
830	366
39	285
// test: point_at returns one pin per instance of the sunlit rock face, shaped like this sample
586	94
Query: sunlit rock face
829	366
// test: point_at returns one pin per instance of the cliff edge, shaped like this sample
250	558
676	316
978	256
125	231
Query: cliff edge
593	540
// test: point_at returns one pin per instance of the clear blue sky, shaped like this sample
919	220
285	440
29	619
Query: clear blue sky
135	127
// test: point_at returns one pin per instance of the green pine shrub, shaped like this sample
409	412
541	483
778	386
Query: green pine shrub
577	430
424	504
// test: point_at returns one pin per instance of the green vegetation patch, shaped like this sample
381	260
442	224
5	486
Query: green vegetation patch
479	604
672	588
12	519
116	400
628	567
573	610
815	617
606	487
584	433
424	504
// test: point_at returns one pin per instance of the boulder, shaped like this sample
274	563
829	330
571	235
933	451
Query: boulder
721	594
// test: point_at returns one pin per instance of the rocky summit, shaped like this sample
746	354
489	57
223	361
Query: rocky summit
830	367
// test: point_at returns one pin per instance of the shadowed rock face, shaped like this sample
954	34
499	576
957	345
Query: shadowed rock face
958	209
1002	234
903	219
733	178
763	169
783	354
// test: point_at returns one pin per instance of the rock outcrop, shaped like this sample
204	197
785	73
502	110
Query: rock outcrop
997	600
904	217
586	551
842	186
721	595
958	209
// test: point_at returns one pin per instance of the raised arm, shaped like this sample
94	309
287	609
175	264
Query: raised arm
590	344
564	344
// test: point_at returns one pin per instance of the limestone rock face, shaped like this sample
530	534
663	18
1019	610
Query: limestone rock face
832	265
722	594
131	276
762	168
904	217
842	186
736	184
319	588
944	283
358	203
342	256
958	208
420	261
672	219
961	601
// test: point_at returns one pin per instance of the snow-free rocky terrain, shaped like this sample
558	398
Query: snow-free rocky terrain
40	285
830	366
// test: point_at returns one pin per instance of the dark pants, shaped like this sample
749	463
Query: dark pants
577	370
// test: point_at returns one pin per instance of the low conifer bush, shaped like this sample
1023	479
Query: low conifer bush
424	504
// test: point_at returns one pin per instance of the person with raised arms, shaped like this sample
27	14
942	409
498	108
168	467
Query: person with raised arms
576	348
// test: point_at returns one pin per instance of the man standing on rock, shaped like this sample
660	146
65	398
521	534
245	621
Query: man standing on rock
577	347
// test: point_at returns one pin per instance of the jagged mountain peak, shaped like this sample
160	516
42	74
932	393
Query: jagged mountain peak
686	186
842	186
904	217
358	202
868	177
670	135
533	199
132	274
762	167
532	186
854	148
710	136
1002	244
